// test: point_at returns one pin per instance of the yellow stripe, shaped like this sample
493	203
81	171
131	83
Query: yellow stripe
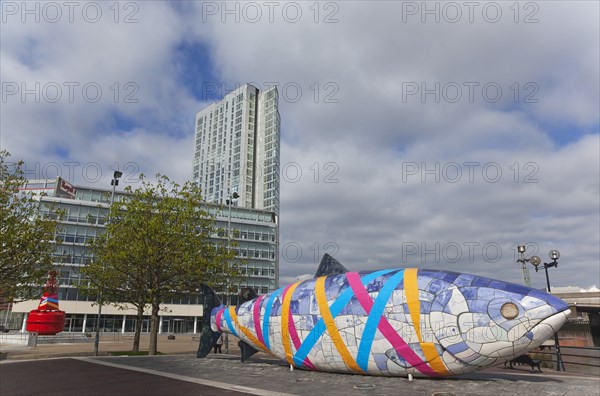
245	330
433	358
411	289
332	328
285	331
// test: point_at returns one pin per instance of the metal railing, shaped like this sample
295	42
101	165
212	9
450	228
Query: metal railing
65	338
576	359
14	338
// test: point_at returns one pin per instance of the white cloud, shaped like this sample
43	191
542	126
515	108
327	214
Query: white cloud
89	78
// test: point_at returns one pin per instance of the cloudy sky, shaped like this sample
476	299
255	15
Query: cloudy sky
437	135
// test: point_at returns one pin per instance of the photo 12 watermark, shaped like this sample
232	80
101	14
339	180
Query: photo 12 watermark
293	252
69	11
469	172
69	92
483	329
469	92
291	172
295	172
317	172
489	12
464	251
289	91
76	172
270	12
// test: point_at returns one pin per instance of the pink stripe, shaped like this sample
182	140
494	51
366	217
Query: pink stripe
256	312
218	319
296	340
285	291
294	333
386	328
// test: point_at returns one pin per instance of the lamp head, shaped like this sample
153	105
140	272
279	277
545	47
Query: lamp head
535	260
235	195
521	248
554	254
117	175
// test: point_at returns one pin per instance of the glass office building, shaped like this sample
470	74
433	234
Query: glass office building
85	210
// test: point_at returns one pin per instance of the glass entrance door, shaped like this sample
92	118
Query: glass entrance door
178	326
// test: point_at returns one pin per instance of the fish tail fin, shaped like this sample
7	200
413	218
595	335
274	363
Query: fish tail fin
207	337
247	350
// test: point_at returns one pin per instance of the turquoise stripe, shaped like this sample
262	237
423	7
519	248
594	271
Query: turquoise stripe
364	349
229	322
337	306
268	307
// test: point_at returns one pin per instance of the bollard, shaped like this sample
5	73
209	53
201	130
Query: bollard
32	340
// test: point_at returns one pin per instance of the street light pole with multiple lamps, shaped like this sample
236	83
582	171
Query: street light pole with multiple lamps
536	262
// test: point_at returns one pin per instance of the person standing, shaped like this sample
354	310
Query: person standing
218	344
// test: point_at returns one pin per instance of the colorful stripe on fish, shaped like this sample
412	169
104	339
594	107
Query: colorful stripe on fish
395	322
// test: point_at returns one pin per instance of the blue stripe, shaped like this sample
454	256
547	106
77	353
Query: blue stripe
342	300
229	322
268	307
364	349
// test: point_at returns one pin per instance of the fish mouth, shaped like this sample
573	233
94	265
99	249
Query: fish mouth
547	327
526	341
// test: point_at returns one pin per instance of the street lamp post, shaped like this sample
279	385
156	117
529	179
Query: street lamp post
554	255
229	202
536	261
114	183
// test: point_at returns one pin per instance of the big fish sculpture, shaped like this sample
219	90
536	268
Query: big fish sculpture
392	322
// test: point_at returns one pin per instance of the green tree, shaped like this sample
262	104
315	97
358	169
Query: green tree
158	246
25	236
115	283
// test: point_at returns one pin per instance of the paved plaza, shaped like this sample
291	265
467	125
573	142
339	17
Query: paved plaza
181	373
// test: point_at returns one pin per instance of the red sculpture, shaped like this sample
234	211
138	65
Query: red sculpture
47	319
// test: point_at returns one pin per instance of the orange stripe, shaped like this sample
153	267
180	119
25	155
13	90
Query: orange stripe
411	289
245	330
332	328
433	358
285	331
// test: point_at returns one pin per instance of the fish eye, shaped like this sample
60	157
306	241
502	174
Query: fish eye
509	311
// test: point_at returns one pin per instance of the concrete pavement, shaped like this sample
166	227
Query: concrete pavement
183	343
181	373
75	377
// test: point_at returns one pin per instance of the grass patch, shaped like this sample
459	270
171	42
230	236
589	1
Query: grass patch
131	353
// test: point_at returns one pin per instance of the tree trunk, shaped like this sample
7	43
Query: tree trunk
139	319
154	326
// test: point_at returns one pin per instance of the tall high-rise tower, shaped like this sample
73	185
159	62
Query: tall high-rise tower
237	148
